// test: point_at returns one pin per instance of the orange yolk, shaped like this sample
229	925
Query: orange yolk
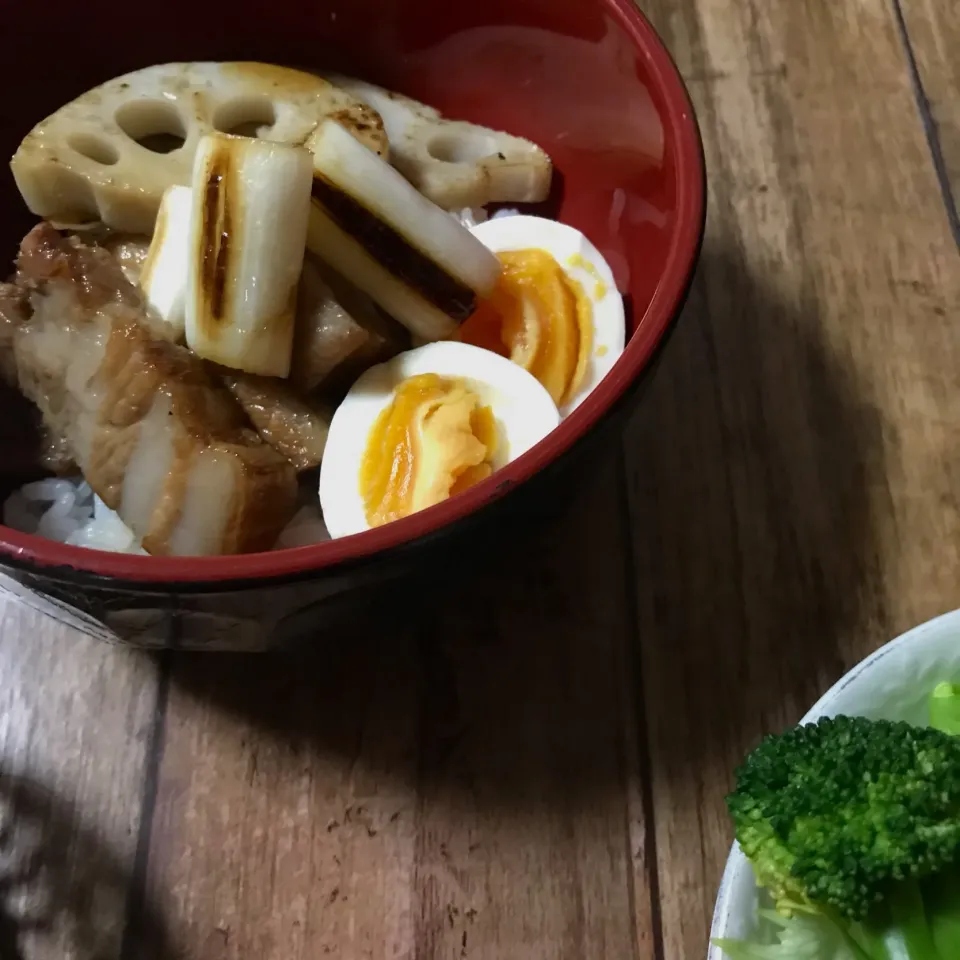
434	439
540	318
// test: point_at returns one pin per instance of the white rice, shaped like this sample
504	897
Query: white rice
306	527
68	511
471	216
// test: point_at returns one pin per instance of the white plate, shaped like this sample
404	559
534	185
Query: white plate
894	684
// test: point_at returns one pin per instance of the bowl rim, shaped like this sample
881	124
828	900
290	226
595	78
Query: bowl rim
40	555
736	861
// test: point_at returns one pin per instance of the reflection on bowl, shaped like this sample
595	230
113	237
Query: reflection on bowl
588	80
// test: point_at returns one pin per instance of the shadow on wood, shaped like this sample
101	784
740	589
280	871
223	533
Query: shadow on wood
457	768
62	892
472	667
756	547
754	541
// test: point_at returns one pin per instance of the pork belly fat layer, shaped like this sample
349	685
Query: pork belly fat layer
158	438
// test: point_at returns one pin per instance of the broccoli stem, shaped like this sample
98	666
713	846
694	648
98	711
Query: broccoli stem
901	929
871	943
945	708
863	945
942	900
909	913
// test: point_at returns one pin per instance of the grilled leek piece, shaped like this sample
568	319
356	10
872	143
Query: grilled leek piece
248	228
373	227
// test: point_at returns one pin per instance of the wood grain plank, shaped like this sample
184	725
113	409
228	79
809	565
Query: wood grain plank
793	472
75	723
933	30
449	780
530	815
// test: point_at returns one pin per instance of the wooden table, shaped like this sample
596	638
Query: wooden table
535	767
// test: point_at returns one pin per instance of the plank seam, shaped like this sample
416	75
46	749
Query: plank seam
930	129
644	761
137	894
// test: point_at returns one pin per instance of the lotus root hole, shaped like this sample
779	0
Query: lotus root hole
460	148
246	116
156	125
97	149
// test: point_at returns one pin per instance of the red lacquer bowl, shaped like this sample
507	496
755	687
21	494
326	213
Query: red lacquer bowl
587	79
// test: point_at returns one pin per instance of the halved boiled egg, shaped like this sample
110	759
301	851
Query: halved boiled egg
556	310
423	427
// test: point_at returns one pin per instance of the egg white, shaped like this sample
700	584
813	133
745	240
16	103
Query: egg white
565	244
523	409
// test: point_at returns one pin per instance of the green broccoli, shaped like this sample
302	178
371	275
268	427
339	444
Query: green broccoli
856	822
945	708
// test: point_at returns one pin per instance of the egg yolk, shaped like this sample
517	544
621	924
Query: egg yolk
540	318
433	440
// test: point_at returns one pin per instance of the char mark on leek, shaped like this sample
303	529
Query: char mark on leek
371	226
215	249
246	236
395	252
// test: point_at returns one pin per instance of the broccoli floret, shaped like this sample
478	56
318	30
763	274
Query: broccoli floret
840	808
858	821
